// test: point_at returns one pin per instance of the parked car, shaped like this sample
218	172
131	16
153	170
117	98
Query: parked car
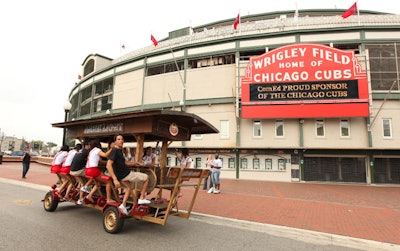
17	153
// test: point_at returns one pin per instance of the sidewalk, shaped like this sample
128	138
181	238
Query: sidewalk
361	211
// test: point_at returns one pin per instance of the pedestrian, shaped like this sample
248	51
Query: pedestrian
186	162
209	162
26	161
149	157
185	159
119	171
215	173
132	150
127	154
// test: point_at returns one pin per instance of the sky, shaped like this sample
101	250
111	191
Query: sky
44	43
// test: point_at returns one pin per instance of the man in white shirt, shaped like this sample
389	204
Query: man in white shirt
215	173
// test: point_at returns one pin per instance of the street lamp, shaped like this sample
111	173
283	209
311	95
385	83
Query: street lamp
67	108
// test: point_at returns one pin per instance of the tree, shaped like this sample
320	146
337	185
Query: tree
37	144
51	144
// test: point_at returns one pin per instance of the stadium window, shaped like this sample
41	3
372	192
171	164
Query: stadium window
102	103
320	128
86	94
344	128
268	164
103	87
281	164
224	132
256	163
387	128
85	109
383	65
198	163
243	163
165	68
103	91
75	106
257	129
89	67
231	163
279	132
212	60
155	70
86	101
98	105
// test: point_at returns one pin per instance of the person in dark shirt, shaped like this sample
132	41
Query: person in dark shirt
26	161
119	171
79	161
78	166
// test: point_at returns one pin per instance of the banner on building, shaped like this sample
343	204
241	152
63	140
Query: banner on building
305	81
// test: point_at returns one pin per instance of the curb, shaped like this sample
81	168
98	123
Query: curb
302	235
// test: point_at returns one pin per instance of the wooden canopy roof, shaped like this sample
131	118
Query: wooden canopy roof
153	125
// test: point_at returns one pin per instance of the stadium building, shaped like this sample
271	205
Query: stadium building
296	96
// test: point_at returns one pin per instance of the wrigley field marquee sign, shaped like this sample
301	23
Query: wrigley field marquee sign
305	81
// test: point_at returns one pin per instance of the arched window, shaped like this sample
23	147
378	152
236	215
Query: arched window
89	67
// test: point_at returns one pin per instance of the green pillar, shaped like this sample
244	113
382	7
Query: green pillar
301	133
301	144
371	168
237	163
301	163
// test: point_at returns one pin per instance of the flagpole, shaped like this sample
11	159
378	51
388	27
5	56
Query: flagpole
358	13
296	16
183	101
380	108
190	31
121	47
240	23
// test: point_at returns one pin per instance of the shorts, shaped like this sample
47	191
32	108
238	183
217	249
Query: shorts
92	172
215	177
133	177
65	169
78	173
55	168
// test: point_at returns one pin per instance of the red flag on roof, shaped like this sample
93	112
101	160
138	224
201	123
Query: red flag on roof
237	22
351	11
154	40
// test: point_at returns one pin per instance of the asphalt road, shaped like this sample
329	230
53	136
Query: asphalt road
25	225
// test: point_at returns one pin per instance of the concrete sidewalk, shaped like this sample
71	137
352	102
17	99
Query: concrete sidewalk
367	212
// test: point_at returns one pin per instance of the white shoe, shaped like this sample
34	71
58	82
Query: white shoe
144	201
85	189
79	202
216	191
211	190
123	209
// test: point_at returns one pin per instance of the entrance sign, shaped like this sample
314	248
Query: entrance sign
104	128
305	81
